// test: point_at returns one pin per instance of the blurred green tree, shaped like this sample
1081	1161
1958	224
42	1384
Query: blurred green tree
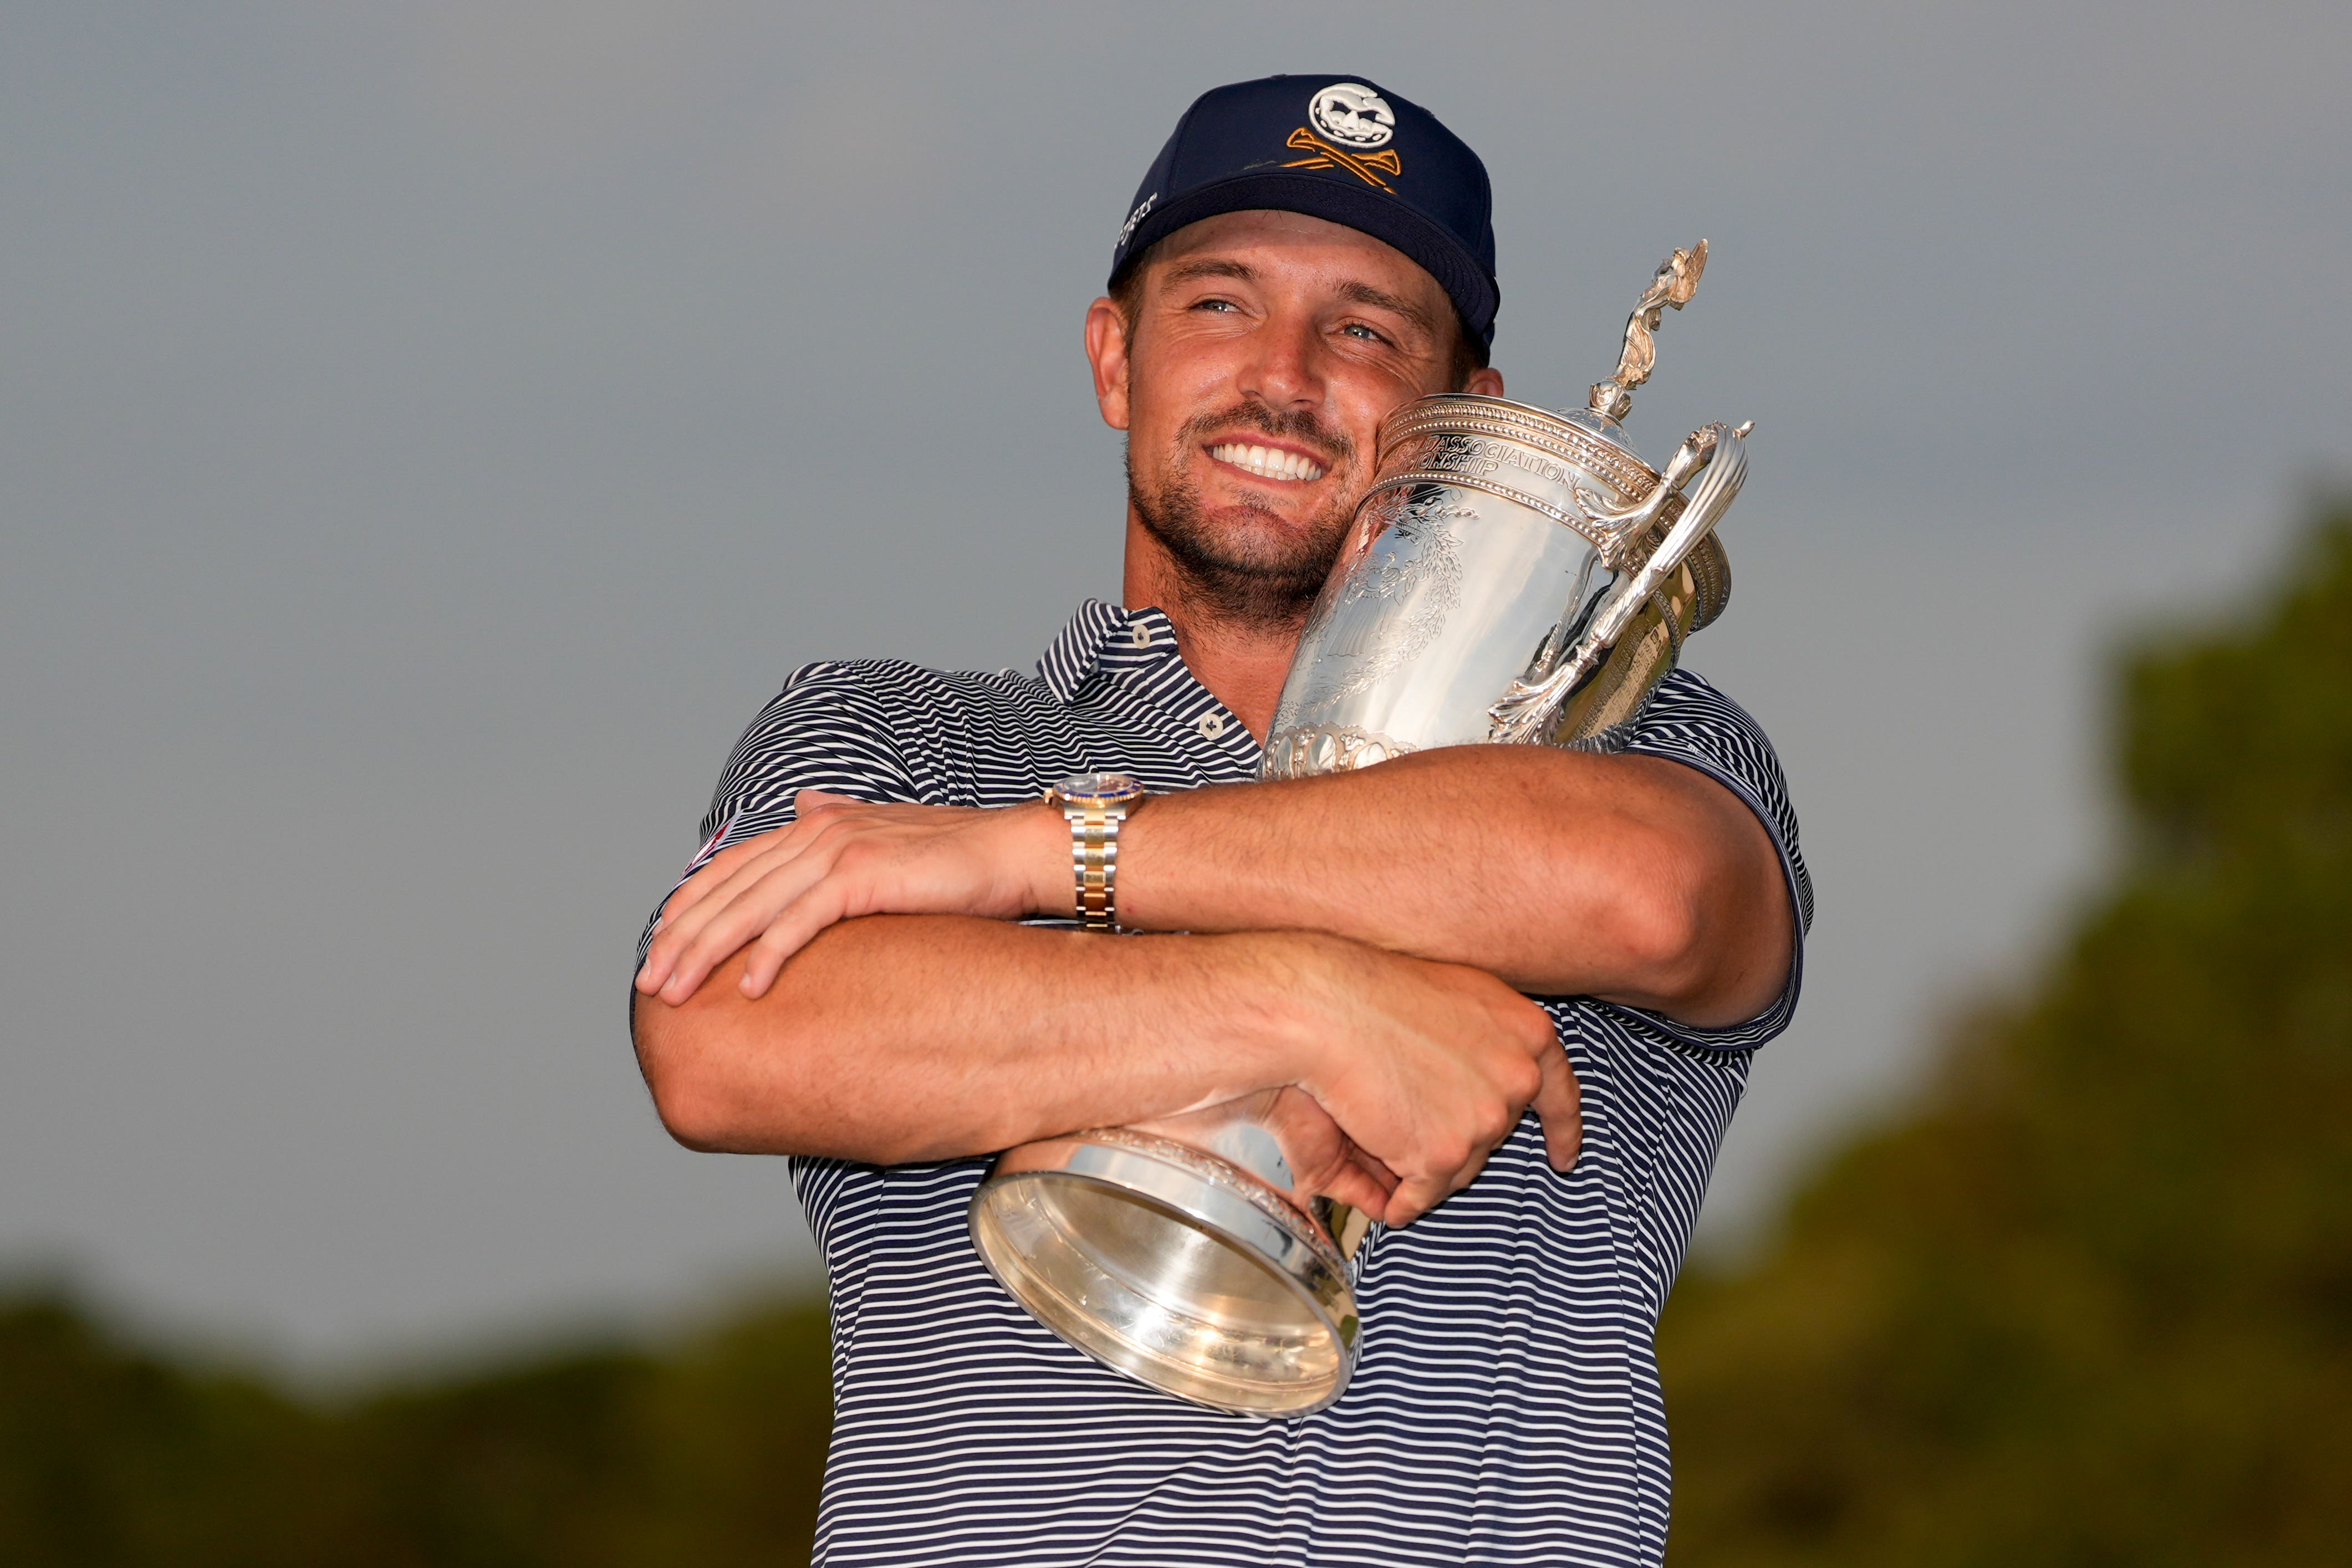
2091	1301
108	1457
708	1454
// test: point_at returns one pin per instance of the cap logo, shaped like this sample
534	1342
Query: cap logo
1352	115
1365	166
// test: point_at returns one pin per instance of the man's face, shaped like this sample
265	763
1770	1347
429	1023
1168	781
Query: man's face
1266	348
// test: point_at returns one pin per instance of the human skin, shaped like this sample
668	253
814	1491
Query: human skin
1355	945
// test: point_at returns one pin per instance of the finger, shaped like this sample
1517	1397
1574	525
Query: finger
744	917
1354	1186
1560	1104
1375	1167
1469	1172
719	878
1412	1199
747	919
681	929
818	831
792	929
683	897
714	871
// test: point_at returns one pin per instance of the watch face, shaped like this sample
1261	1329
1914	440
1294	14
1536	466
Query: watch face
1098	789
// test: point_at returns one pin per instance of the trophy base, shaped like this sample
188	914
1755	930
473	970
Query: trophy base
1173	1267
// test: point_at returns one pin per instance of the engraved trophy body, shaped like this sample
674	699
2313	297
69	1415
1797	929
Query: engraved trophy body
1512	575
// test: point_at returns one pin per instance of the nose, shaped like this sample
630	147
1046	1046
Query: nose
1283	367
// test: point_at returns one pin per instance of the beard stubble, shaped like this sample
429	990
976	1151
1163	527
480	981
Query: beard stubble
1262	578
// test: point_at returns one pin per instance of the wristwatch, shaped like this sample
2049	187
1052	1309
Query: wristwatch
1096	804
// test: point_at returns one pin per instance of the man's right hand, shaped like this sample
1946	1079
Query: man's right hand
1428	1067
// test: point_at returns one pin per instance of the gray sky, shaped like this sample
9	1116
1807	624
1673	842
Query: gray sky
428	431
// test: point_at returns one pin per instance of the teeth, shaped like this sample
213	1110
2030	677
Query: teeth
1270	463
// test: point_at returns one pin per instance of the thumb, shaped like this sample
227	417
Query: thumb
1414	1197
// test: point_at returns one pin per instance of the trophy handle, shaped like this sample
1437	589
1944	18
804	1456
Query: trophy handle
1720	454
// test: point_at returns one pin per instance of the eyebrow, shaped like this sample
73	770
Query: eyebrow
1379	299
1209	267
1354	292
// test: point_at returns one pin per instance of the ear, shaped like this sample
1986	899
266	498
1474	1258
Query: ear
1107	349
1486	381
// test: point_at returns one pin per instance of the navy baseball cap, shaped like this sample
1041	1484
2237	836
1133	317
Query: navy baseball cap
1337	148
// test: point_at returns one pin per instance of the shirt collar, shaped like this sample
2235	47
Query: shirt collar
1101	638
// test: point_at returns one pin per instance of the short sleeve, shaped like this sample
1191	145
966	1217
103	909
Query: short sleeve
1689	722
827	729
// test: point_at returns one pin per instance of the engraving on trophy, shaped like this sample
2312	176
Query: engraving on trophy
1416	565
1582	449
1478	458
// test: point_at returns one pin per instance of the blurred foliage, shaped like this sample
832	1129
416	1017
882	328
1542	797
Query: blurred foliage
2091	1301
709	1454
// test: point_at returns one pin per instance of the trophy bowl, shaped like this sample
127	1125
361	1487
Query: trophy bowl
1512	575
1189	1265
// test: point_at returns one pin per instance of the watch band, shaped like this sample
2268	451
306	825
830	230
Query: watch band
1096	805
1093	862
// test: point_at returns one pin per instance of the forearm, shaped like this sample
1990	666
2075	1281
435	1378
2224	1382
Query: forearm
899	1038
1630	878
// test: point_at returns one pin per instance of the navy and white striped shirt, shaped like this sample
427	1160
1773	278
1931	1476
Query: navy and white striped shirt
1505	1408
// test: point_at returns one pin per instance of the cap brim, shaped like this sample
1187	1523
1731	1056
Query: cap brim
1385	217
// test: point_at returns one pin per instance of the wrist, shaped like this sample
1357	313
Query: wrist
1286	1004
1040	848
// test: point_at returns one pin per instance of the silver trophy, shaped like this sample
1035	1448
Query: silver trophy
1513	575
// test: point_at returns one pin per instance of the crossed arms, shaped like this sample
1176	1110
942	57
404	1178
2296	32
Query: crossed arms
1353	948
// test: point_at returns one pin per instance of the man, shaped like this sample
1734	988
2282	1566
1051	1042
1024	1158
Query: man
851	973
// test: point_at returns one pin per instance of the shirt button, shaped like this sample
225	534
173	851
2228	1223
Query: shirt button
1143	634
1213	724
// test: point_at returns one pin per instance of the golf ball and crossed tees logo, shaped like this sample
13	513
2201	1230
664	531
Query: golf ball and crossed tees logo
1352	120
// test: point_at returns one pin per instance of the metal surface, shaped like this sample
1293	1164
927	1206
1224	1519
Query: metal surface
1676	280
1538	701
1175	1265
1513	574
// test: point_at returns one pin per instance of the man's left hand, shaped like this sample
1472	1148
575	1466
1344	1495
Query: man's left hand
840	860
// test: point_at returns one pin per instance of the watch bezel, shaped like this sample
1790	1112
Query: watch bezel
1097	791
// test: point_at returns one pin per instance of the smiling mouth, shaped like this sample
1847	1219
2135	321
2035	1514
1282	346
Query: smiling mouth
1267	462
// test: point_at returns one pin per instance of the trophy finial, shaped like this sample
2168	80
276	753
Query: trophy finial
1676	280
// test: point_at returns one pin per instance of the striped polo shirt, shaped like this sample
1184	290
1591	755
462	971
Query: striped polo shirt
1505	1408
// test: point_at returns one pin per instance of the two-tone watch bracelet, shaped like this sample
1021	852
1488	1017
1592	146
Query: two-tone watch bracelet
1096	805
